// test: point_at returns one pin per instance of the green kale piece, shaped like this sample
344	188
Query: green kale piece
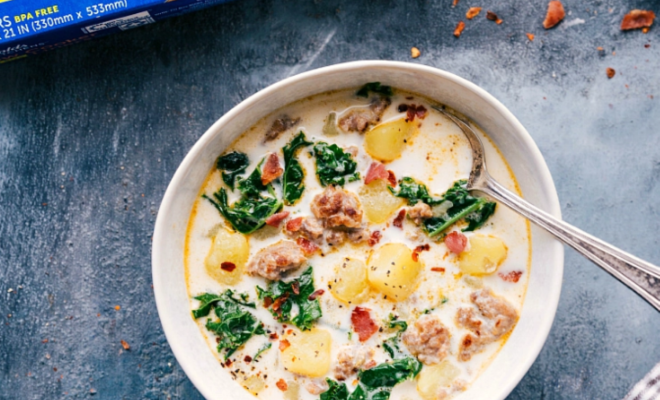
247	214
280	297
333	164
292	179
337	391
414	192
377	383
232	164
234	326
374	87
262	350
391	345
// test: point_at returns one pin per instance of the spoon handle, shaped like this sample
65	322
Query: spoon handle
637	274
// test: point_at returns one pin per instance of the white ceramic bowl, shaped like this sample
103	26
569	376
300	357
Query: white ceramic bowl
527	339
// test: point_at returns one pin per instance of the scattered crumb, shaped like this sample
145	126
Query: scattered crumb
472	12
455	3
530	36
125	345
647	45
610	72
117	308
459	29
414	52
491	16
637	19
554	15
599	48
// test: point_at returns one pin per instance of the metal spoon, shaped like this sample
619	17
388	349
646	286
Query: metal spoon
637	274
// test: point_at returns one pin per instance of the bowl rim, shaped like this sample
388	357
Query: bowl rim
546	185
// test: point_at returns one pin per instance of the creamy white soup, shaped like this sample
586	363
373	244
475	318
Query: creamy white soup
334	253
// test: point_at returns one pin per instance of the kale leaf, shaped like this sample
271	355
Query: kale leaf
391	345
377	383
247	214
280	297
232	164
234	326
333	164
252	186
474	210
337	391
292	180
262	350
374	87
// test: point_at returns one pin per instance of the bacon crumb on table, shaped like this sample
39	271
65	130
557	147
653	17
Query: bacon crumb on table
610	72
276	219
472	12
491	16
363	325
530	36
125	345
459	28
414	52
554	15
455	3
638	19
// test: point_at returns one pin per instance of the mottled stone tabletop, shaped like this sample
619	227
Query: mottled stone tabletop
90	136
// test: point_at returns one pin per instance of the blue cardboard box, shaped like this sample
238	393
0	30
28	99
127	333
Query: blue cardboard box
30	27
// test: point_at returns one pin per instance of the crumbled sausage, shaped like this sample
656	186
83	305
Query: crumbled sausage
358	120
337	207
428	339
334	237
350	360
316	386
311	228
274	261
280	125
420	211
359	235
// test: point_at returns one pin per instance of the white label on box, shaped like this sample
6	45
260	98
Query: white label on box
123	23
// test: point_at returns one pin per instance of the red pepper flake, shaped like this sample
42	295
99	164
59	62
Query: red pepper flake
228	266
268	301
316	294
363	325
610	72
281	384
472	12
295	286
125	345
419	249
228	363
438	269
637	19
456	242
284	344
513	276
459	28
308	247
247	359
530	36
391	178
271	169
276	219
375	238
398	221
554	15
293	225
274	336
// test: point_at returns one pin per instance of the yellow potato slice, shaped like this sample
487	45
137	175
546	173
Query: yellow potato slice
350	285
392	271
435	377
387	141
231	247
308	353
485	255
378	202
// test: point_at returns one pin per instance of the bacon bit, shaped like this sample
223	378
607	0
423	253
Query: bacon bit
472	12
456	242
273	336
610	72
459	28
530	36
117	308
554	15
398	221
281	384
513	276
280	300
499	21
271	170
125	345
391	178
363	325
284	344
228	266
295	286
276	219
375	238
316	294
455	3
438	269
376	171
491	16
268	301
637	19
414	52
419	249
307	247
413	110
228	363
247	359
293	225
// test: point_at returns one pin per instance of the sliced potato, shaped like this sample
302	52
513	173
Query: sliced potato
387	141
393	272
435	377
485	255
308	353
350	285
292	391
254	384
227	247
378	202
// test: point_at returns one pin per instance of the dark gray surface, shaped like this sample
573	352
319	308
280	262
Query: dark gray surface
91	135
